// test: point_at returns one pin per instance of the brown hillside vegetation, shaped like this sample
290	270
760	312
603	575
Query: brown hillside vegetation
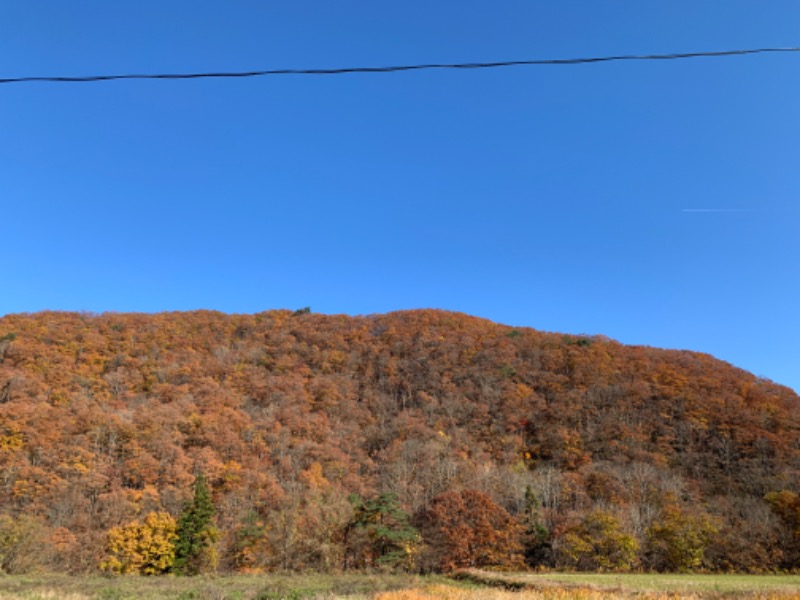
320	435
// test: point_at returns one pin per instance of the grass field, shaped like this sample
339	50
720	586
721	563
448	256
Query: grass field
472	586
672	583
234	587
638	584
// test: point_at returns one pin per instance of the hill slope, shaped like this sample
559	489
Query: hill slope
104	418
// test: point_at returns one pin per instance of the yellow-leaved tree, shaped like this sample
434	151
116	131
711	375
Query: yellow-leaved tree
597	543
146	548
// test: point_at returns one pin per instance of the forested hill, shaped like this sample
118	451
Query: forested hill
107	418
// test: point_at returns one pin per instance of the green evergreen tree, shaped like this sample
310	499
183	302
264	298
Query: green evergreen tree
537	539
381	534
246	552
195	548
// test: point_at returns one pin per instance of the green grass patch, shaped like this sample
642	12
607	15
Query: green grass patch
664	582
231	587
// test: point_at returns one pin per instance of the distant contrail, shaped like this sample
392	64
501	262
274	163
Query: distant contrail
715	210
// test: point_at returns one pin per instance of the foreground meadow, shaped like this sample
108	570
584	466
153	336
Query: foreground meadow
678	583
645	584
230	587
470	585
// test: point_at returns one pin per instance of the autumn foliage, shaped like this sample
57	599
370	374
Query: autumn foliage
467	529
597	542
146	548
106	419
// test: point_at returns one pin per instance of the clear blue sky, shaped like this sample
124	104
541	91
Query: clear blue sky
549	197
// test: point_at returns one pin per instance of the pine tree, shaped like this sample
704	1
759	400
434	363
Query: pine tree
537	540
195	548
381	533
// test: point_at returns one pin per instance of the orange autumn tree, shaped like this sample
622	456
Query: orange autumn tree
467	529
786	505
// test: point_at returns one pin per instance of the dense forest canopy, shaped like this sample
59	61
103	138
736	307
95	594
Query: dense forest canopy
331	442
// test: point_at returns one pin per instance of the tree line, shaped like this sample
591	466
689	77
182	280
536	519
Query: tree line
420	440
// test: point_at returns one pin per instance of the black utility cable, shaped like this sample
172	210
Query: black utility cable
394	69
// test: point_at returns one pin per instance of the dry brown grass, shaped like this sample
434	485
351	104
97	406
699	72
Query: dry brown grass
47	595
444	592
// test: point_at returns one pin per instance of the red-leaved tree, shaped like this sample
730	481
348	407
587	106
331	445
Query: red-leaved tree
467	529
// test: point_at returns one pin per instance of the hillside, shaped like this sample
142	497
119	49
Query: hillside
107	418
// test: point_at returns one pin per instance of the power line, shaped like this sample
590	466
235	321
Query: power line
394	69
